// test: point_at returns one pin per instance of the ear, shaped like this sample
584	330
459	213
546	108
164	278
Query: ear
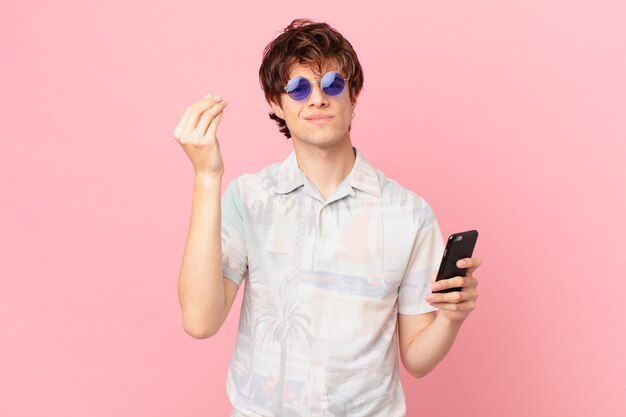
277	110
354	103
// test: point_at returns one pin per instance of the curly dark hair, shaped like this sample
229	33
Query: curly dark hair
307	43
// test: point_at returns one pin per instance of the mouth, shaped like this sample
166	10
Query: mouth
318	119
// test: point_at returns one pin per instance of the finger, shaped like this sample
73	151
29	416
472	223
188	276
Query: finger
464	306
206	120
433	276
178	131
470	263
455	282
450	297
470	283
212	130
197	110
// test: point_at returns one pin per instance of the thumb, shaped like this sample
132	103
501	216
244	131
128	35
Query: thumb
433	276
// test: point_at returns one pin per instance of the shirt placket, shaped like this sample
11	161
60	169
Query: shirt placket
325	239
323	244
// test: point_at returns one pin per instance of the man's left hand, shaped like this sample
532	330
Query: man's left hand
457	304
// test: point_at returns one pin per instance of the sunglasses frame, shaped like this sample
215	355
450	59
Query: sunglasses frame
316	82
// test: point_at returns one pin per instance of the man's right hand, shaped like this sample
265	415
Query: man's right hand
196	132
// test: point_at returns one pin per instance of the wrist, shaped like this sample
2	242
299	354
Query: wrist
208	179
443	318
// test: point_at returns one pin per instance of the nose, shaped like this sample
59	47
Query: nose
317	97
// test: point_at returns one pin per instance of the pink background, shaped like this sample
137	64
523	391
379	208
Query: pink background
508	117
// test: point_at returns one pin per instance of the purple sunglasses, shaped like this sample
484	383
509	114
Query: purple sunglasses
332	84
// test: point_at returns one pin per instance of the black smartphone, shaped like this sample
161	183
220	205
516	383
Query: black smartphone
459	246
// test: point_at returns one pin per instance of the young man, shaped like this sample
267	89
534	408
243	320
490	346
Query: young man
335	253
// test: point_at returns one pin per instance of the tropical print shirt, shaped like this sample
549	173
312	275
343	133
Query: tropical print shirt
325	282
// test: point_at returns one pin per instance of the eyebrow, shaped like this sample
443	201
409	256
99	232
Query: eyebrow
330	70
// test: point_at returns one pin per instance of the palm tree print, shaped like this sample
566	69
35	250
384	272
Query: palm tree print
283	324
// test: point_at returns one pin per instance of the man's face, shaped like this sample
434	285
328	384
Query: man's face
299	114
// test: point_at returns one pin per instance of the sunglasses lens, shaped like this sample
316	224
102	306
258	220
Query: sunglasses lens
298	88
333	83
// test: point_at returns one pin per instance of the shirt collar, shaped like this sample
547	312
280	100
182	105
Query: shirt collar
363	175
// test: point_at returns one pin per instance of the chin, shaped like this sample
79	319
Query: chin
322	142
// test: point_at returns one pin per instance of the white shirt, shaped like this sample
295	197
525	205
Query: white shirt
325	283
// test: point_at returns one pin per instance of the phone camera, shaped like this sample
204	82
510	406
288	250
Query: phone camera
458	238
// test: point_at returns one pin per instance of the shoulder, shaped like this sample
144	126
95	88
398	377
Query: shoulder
403	201
256	184
394	192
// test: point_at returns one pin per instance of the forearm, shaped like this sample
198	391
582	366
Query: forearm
429	347
200	284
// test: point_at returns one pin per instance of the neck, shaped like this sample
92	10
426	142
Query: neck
325	167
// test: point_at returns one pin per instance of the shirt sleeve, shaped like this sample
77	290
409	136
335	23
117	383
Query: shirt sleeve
425	257
234	249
